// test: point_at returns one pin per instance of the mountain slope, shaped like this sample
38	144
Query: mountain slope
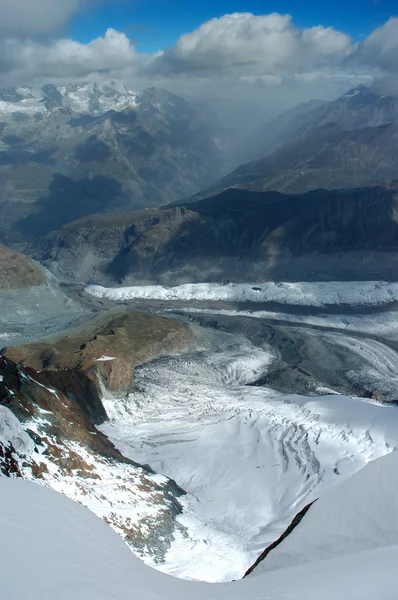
237	235
70	151
346	143
17	271
358	108
51	394
331	158
276	131
88	560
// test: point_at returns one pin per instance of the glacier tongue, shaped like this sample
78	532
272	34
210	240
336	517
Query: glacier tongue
250	458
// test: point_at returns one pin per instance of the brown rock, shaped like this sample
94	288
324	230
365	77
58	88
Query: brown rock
78	360
17	270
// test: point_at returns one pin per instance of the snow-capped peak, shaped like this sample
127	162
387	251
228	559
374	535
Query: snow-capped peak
360	89
81	97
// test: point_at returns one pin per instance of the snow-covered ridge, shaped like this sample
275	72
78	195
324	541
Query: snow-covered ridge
82	98
353	293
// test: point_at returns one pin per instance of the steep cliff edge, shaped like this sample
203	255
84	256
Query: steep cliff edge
50	401
238	235
104	350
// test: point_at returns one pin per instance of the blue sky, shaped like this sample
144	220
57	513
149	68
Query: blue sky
156	24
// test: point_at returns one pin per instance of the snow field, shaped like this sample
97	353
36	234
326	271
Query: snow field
58	550
250	458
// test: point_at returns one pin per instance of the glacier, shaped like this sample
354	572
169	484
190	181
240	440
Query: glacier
315	294
250	458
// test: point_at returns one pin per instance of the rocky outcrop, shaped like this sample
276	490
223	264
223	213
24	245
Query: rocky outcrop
111	247
17	271
46	437
105	351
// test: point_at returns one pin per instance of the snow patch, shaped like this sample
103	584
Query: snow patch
11	432
361	514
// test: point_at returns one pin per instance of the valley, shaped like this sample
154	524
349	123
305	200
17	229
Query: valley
289	409
205	359
270	407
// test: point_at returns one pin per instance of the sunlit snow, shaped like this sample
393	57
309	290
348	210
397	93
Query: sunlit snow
353	293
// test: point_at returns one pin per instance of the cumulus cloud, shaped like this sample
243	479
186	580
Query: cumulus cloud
265	57
269	45
30	17
380	48
23	62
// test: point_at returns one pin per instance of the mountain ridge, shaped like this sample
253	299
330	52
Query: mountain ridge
235	235
330	158
133	151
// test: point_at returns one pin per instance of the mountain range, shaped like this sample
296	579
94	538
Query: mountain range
234	414
358	108
68	151
347	143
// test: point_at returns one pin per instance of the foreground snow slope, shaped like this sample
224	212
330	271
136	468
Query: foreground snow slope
54	549
353	293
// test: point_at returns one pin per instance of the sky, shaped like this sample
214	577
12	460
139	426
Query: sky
277	53
158	24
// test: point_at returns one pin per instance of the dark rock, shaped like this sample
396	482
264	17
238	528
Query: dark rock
236	235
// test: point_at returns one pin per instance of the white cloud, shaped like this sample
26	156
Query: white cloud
266	45
112	55
30	17
266	57
380	48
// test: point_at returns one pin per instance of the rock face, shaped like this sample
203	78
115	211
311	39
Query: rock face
105	350
47	438
50	401
237	235
17	271
70	151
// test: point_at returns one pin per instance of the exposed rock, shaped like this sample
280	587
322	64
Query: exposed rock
373	395
237	235
106	349
9	465
17	270
46	437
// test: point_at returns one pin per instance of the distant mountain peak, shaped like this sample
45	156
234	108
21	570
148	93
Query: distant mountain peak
81	97
360	89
